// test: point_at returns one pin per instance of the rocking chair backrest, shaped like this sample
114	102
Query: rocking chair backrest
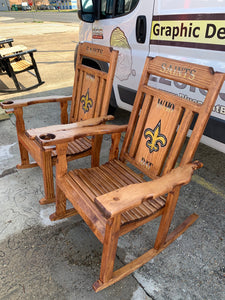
160	120
92	87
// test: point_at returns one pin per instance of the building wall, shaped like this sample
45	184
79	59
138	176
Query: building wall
65	4
62	4
4	5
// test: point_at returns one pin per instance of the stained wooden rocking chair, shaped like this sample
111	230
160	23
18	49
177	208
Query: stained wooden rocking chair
113	199
90	103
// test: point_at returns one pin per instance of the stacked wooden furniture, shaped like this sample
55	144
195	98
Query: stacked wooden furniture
13	61
113	199
90	102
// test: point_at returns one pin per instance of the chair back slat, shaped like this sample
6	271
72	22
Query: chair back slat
160	120
92	87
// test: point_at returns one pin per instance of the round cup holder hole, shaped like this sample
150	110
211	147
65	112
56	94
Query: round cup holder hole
8	102
47	136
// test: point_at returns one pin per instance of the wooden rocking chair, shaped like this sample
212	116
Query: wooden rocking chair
90	102
113	199
16	60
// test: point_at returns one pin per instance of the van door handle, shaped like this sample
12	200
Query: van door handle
141	26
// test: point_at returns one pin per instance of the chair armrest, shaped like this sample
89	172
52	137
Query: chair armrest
6	41
125	198
26	102
18	53
36	132
71	132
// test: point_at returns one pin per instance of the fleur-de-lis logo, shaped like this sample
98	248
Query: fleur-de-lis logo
155	138
86	102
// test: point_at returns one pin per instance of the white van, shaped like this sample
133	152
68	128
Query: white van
188	30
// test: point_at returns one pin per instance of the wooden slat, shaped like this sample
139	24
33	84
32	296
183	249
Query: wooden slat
95	72
11	50
86	208
179	140
100	180
97	52
76	99
140	125
172	98
138	193
100	97
20	65
74	147
188	73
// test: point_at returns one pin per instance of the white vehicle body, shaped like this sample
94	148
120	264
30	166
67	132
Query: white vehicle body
188	30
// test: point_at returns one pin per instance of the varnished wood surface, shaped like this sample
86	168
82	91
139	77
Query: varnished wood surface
133	195
12	50
9	104
32	133
90	100
114	199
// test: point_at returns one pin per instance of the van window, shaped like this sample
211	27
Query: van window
116	8
87	6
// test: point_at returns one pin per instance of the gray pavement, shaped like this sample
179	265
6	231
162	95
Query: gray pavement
40	259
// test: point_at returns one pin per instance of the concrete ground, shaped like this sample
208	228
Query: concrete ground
40	259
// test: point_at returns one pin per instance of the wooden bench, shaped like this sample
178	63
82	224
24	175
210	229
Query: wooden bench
13	60
114	199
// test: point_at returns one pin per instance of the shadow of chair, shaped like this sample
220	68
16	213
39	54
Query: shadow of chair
113	198
90	102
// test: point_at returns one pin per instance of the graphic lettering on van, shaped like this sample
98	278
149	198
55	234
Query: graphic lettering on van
87	102
204	31
118	40
178	71
155	138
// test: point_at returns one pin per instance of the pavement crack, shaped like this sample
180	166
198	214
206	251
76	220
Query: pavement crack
150	296
8	172
132	274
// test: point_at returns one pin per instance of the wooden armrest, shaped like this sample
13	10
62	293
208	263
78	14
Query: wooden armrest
33	133
125	198
87	128
25	102
7	52
5	41
17	54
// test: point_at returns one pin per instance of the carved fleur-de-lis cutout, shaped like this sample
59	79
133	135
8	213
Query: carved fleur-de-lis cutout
155	138
87	102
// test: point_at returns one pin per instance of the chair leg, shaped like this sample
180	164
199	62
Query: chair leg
147	256
96	148
23	156
36	69
47	171
166	219
13	76
61	212
109	251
